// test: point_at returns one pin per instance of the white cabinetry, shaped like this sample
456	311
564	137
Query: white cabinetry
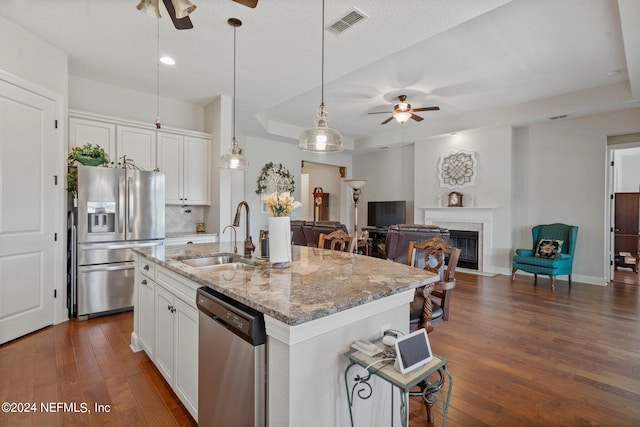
166	328
185	162
138	145
182	155
145	307
83	131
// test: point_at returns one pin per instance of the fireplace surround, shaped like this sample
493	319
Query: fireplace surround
479	220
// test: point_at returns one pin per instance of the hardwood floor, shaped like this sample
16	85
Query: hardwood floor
520	355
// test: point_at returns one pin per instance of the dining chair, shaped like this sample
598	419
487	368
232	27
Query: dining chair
432	302
337	240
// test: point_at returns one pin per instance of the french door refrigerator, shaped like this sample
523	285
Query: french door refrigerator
117	210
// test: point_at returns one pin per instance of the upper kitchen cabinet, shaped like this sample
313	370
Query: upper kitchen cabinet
185	162
83	131
138	145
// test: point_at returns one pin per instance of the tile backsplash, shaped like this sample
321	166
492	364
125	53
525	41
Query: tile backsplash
179	219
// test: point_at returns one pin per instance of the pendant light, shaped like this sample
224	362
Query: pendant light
234	159
321	138
158	125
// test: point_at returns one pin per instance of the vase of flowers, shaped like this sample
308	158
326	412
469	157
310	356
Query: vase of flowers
280	206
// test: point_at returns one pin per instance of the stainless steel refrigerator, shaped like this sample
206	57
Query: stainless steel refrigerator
117	210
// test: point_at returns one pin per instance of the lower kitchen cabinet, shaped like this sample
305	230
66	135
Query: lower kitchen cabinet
177	346
166	328
146	314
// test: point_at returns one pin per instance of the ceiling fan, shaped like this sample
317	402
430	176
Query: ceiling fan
402	111
179	10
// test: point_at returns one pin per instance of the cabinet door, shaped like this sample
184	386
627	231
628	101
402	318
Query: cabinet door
82	131
186	372
170	161
196	171
138	145
146	313
165	343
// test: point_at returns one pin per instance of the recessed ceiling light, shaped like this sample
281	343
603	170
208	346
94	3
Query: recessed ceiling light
167	60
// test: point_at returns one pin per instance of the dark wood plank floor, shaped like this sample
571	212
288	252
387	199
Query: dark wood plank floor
519	354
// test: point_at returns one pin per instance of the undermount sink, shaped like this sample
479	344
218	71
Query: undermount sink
219	262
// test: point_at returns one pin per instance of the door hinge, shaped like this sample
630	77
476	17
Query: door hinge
612	197
55	293
56	124
55	237
612	162
610	262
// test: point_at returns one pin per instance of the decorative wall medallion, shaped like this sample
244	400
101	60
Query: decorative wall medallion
457	170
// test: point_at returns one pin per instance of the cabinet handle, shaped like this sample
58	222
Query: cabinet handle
144	281
146	267
189	243
173	310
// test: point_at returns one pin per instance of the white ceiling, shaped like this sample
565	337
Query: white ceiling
480	61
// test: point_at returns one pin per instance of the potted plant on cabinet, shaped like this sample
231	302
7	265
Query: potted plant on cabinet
88	155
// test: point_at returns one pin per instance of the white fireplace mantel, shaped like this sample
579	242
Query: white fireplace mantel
479	219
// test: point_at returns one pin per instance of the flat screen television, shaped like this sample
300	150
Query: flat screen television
384	214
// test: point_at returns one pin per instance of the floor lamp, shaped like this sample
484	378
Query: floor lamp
356	185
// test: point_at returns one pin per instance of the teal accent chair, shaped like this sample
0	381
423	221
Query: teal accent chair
560	264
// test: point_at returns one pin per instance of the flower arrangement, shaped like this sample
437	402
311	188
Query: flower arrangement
280	204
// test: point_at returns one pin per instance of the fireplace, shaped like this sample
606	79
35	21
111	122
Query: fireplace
467	242
478	220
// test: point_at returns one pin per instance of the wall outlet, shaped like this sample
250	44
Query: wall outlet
384	328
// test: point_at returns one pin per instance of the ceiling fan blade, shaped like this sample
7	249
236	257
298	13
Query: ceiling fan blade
180	24
387	121
416	118
248	3
426	109
382	112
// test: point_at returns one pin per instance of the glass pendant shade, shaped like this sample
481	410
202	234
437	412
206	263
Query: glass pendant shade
321	138
356	184
234	159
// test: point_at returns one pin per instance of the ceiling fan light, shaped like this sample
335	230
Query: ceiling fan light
150	7
402	116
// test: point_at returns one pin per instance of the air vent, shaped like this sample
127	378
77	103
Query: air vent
348	20
563	116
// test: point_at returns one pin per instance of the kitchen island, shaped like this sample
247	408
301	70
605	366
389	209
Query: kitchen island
313	311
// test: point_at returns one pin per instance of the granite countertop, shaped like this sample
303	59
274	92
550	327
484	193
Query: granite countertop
319	282
175	234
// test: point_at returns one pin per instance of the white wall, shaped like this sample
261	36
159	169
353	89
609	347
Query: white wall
564	180
390	177
629	166
100	98
492	187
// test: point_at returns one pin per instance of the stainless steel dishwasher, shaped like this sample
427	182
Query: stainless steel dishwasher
231	363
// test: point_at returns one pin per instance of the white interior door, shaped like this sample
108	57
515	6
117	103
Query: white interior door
27	211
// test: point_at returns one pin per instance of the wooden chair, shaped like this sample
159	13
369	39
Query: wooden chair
337	240
422	310
430	304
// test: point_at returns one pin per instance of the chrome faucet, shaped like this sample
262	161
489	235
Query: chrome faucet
248	242
235	242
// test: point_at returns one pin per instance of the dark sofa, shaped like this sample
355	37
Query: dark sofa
307	233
